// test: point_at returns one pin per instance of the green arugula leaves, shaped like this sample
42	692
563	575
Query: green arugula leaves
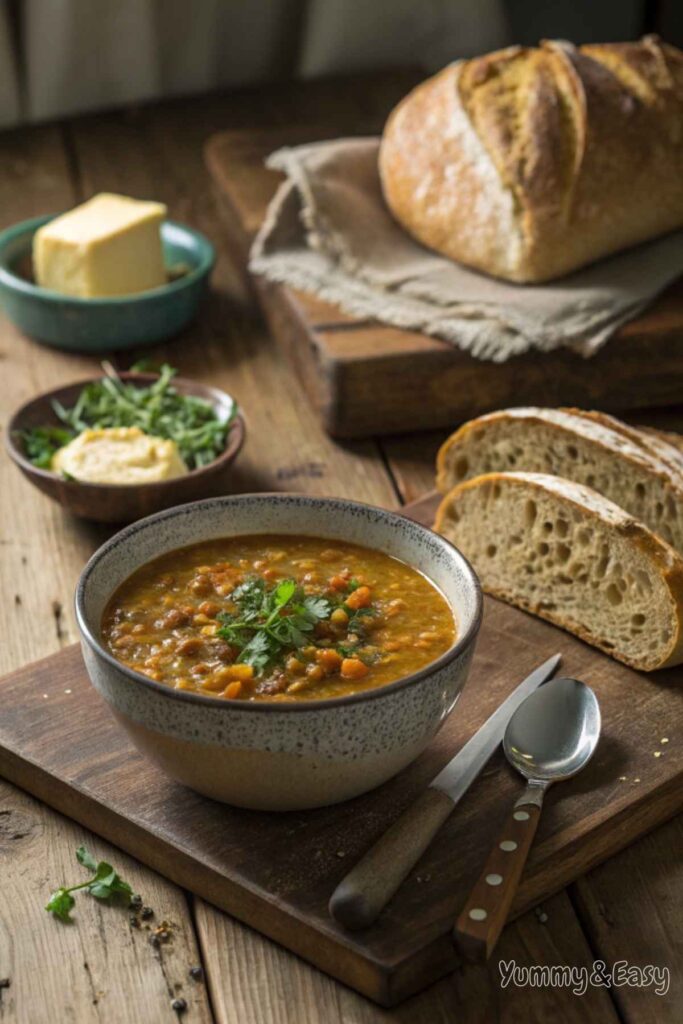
158	409
104	884
40	444
270	621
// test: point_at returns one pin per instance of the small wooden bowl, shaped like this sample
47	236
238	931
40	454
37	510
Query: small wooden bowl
111	503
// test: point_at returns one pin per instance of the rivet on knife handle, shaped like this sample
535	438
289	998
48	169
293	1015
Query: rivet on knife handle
482	918
362	895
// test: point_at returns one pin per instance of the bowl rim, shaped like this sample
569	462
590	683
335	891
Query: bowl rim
19	284
234	440
462	641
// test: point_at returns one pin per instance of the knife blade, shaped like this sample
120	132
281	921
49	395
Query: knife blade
459	774
364	892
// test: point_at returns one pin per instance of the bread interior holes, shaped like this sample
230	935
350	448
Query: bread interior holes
601	567
568	573
643	581
461	467
562	553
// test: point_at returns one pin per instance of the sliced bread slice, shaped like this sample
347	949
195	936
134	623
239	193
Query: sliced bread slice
579	449
673	439
563	552
655	443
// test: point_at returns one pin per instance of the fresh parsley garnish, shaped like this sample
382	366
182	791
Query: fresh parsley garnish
158	409
270	621
104	884
356	623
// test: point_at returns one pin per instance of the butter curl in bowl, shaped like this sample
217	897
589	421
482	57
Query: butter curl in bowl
125	445
118	455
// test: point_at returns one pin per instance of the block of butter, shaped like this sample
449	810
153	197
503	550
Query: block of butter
110	245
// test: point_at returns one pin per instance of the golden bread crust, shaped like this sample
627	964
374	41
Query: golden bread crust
529	163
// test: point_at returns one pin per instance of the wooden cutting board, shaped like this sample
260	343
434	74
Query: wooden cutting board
365	378
276	872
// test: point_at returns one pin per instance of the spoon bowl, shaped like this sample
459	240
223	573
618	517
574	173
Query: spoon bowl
554	733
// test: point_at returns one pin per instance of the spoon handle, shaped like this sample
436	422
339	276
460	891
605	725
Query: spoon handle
485	912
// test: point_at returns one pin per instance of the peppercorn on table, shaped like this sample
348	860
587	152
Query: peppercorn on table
171	956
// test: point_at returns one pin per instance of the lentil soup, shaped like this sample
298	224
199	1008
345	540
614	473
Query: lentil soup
279	618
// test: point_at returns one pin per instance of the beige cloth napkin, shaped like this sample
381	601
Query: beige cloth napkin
329	232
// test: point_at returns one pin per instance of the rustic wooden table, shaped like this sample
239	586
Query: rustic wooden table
99	968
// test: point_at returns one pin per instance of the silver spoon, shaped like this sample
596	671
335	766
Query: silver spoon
550	737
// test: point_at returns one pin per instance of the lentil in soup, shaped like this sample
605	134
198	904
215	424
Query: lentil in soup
271	617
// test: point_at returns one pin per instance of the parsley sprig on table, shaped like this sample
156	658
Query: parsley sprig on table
158	410
104	884
270	621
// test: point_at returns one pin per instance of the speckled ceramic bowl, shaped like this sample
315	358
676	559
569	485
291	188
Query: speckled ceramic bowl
274	756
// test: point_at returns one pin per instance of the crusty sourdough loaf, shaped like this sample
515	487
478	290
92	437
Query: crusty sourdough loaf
529	163
571	446
654	443
565	553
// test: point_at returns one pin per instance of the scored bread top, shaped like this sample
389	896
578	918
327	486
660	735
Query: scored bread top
557	95
528	162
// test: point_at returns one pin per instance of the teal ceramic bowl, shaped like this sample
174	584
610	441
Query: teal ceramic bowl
104	325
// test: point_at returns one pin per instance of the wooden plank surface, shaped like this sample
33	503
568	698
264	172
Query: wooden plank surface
631	911
100	967
42	552
472	993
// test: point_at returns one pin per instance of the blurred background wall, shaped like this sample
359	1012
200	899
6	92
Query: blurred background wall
62	57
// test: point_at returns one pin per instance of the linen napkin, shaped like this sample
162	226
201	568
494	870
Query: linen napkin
328	231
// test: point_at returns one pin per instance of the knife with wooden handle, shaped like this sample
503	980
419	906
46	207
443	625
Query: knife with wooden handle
362	895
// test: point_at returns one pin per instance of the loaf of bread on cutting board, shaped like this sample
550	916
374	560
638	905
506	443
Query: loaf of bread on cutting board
565	553
531	162
586	448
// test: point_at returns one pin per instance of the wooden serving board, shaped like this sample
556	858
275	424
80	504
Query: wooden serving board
276	872
365	378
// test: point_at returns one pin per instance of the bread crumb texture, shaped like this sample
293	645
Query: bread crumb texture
576	448
567	554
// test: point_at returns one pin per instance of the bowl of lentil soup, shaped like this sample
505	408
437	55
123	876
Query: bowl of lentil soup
279	651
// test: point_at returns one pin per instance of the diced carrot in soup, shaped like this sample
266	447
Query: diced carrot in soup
235	626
